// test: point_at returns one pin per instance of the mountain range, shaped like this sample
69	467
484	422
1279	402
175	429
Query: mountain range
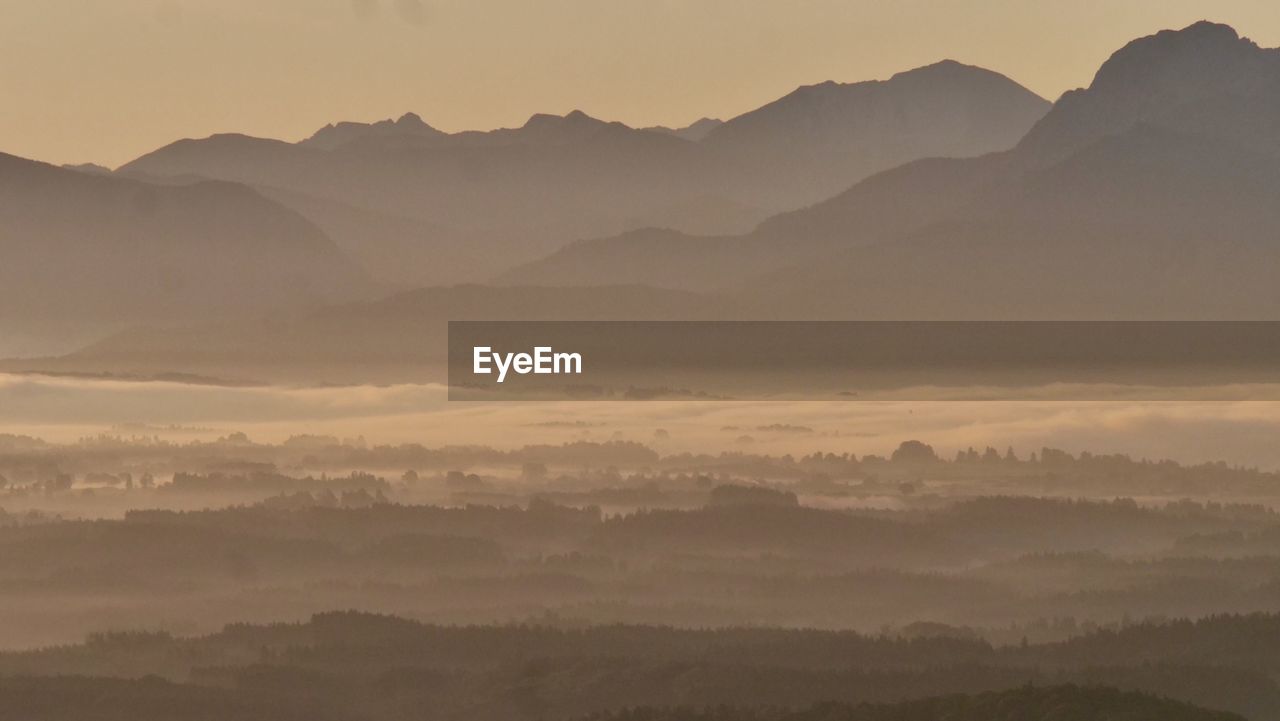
1152	193
477	203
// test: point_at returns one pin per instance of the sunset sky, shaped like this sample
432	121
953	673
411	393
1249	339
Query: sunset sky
106	80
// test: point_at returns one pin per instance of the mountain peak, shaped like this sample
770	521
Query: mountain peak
1154	79
412	120
946	65
1198	53
949	71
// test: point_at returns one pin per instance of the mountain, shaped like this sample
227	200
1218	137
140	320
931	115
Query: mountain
1151	194
820	139
98	251
1203	79
513	195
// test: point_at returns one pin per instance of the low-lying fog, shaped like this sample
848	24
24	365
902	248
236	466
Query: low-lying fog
64	409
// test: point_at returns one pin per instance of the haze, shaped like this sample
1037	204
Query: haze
233	488
105	82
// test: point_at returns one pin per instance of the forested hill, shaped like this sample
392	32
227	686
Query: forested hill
343	666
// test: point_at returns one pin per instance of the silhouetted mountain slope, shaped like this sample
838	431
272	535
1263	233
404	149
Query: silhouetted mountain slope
882	207
1147	224
519	193
109	250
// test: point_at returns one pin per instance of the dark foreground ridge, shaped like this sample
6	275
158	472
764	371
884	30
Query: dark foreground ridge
152	699
381	668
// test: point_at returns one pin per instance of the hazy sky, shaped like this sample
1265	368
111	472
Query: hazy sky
106	80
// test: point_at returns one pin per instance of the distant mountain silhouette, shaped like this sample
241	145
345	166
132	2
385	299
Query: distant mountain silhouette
91	250
515	194
1154	193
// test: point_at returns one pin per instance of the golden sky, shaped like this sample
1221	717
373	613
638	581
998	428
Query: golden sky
107	80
